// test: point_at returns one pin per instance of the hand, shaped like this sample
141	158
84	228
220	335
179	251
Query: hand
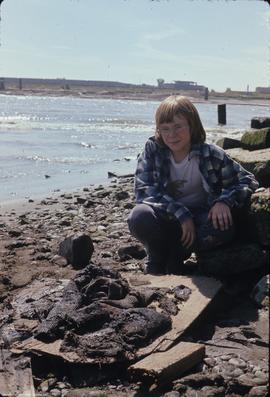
221	216
188	233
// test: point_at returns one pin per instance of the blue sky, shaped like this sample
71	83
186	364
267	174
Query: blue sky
216	43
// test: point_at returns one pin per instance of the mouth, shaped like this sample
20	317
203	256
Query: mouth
174	142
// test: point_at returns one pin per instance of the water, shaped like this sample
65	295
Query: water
49	144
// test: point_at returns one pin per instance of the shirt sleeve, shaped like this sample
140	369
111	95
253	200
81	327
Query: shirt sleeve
149	188
237	183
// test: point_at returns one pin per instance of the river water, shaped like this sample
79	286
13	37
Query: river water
50	144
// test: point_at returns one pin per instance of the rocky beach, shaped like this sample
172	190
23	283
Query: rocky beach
234	329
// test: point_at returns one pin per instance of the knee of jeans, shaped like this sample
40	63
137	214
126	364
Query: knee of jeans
140	219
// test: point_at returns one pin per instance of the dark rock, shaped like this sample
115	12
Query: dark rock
89	203
14	233
255	140
181	292
81	200
237	387
260	292
90	321
77	249
260	122
233	259
228	143
135	251
121	195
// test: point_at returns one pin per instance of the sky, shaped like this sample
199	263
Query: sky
217	43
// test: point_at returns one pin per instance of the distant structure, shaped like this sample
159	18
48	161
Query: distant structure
263	90
180	85
2	84
65	83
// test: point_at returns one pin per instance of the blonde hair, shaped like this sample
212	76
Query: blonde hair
176	105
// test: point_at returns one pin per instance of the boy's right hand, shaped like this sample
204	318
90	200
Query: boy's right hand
188	233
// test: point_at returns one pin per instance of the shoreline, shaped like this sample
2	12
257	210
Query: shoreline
238	100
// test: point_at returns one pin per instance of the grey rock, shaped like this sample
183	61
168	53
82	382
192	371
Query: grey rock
212	391
247	380
256	161
237	372
55	393
238	362
258	391
258	381
135	251
201	379
172	394
210	361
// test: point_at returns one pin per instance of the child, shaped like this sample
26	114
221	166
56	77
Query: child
185	190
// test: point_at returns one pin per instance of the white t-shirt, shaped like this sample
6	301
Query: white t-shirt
186	182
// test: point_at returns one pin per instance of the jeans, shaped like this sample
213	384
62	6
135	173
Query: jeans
161	237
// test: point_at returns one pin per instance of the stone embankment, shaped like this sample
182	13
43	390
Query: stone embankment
50	239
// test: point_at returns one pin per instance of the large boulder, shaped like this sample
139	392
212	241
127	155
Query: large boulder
255	140
260	122
257	162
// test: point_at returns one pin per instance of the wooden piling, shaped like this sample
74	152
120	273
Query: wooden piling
222	113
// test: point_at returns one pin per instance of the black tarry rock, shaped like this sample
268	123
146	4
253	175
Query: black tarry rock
101	317
77	249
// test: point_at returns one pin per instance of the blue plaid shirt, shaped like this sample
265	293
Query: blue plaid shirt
227	180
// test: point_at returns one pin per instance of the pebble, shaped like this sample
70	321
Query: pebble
44	386
172	394
237	372
246	380
212	391
210	361
258	391
61	385
225	357
260	381
55	393
238	362
259	374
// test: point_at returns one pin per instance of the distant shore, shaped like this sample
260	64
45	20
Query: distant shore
144	95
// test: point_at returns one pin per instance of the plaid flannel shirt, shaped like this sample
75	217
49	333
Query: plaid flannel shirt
224	179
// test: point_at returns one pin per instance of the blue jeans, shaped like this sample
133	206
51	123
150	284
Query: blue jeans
161	237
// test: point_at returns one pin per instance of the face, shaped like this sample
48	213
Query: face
177	136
